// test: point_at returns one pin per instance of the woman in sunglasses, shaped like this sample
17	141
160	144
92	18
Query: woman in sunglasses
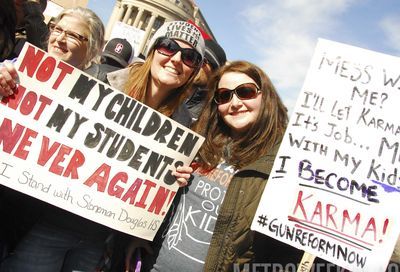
174	56
243	122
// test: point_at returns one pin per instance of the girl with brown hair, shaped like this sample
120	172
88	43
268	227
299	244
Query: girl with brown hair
243	122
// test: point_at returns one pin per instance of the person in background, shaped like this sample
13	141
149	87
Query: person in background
243	122
215	57
58	242
30	25
8	19
117	53
173	58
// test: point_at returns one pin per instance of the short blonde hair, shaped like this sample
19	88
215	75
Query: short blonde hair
95	41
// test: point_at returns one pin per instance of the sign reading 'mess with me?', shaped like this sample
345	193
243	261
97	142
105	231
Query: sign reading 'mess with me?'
334	188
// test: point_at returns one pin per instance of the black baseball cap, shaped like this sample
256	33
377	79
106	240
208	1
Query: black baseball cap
119	50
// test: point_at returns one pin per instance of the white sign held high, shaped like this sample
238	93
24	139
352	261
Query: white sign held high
334	188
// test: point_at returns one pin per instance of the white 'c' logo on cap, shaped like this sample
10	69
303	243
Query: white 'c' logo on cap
118	48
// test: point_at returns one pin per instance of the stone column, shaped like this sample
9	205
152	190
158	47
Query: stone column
147	32
115	16
138	17
127	14
133	15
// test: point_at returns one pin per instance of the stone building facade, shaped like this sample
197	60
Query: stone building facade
149	15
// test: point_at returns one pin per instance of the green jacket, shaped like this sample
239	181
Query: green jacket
233	244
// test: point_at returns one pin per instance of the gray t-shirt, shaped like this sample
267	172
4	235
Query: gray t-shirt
188	236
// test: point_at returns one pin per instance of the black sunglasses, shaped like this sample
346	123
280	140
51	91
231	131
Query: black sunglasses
244	91
169	47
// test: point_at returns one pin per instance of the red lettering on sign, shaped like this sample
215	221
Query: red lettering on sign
61	152
32	63
10	136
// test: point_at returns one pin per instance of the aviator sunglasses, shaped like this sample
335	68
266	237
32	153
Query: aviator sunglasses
169	47
244	91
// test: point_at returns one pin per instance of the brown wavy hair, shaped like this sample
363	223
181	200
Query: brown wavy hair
140	76
266	132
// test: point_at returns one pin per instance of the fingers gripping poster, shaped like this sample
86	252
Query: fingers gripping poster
334	190
72	141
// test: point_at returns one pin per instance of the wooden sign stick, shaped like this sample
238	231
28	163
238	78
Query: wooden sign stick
306	262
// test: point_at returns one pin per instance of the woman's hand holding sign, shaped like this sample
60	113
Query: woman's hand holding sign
182	175
8	79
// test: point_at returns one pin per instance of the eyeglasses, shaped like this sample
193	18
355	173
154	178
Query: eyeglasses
71	35
169	47
244	91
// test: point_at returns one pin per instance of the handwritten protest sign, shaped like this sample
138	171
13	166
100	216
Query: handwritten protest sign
132	34
334	188
72	141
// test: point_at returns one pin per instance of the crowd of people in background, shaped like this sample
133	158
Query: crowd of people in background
233	104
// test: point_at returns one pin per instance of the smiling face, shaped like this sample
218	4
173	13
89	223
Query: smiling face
238	114
169	72
65	48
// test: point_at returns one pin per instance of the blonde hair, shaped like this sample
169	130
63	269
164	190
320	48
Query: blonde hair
140	76
96	33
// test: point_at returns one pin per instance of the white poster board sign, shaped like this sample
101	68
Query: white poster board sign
72	141
334	190
132	34
52	9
